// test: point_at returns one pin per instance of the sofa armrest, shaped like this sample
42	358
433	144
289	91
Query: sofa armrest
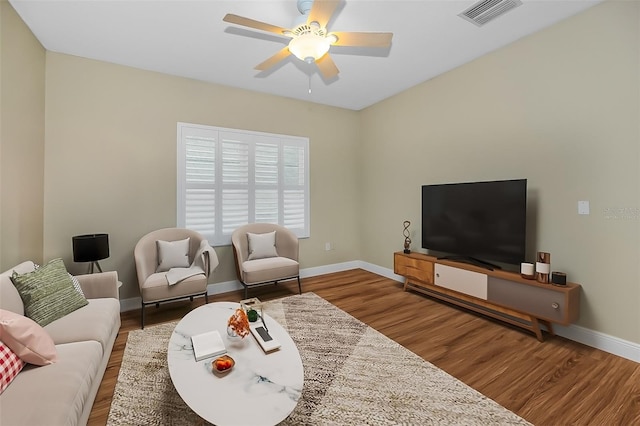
102	284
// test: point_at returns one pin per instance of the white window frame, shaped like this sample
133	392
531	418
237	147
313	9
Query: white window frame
216	235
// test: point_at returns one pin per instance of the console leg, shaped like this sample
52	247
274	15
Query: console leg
549	327
406	284
535	327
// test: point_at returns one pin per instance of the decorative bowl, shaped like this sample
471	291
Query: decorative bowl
223	364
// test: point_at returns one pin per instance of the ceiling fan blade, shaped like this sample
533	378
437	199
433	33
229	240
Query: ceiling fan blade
327	67
346	38
252	23
321	11
282	54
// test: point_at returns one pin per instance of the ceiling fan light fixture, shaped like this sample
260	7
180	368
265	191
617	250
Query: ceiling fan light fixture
309	47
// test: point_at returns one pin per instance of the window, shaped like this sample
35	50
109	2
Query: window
228	178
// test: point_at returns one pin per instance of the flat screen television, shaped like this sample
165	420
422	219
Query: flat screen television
478	222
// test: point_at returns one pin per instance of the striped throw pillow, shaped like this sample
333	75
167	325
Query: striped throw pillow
48	293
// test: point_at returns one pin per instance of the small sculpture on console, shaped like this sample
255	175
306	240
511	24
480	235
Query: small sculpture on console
407	240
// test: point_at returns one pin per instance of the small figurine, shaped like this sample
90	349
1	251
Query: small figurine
407	240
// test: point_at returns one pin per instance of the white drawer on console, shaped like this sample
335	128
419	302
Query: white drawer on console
467	282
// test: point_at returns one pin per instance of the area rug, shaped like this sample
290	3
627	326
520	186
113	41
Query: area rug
352	375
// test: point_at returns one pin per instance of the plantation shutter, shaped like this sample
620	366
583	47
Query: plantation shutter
294	194
200	189
235	181
228	178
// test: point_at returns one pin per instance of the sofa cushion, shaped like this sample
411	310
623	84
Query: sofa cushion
269	269
53	394
10	366
26	338
95	321
262	245
172	254
48	292
9	297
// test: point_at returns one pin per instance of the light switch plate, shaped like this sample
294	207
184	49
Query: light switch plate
583	207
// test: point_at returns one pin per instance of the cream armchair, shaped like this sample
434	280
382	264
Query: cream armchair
265	253
170	267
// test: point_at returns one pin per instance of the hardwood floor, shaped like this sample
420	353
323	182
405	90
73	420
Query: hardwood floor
556	382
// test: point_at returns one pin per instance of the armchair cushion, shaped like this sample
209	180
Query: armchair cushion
48	293
155	288
269	269
173	254
262	245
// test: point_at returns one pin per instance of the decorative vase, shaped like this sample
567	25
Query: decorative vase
231	333
238	325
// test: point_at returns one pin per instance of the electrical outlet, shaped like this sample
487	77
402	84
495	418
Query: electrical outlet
328	246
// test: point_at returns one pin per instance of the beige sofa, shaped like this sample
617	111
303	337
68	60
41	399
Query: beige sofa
63	393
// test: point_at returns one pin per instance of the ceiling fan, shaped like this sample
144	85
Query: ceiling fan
310	40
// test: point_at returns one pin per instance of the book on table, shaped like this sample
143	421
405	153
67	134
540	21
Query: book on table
207	345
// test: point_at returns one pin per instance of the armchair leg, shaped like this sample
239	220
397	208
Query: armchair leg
206	297
191	298
142	315
246	292
299	286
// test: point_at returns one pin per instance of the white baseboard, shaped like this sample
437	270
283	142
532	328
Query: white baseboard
602	341
595	339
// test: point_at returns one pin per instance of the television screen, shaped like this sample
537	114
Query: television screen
484	221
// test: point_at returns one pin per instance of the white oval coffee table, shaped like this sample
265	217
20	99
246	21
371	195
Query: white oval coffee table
261	389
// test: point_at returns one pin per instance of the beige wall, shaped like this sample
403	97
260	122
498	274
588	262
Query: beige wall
22	68
111	158
560	108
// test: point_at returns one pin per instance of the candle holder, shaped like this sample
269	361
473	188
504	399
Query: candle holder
527	271
543	267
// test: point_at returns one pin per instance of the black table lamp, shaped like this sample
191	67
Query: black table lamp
91	248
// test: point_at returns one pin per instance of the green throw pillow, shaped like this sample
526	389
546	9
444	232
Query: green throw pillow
48	293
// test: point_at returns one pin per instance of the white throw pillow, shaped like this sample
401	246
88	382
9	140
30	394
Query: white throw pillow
262	245
172	254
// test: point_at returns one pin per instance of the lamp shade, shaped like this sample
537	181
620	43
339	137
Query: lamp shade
309	47
90	248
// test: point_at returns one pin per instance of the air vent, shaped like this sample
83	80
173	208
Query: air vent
488	10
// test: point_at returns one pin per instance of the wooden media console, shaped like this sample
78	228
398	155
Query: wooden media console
499	294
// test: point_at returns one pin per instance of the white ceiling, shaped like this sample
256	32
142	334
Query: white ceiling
188	38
